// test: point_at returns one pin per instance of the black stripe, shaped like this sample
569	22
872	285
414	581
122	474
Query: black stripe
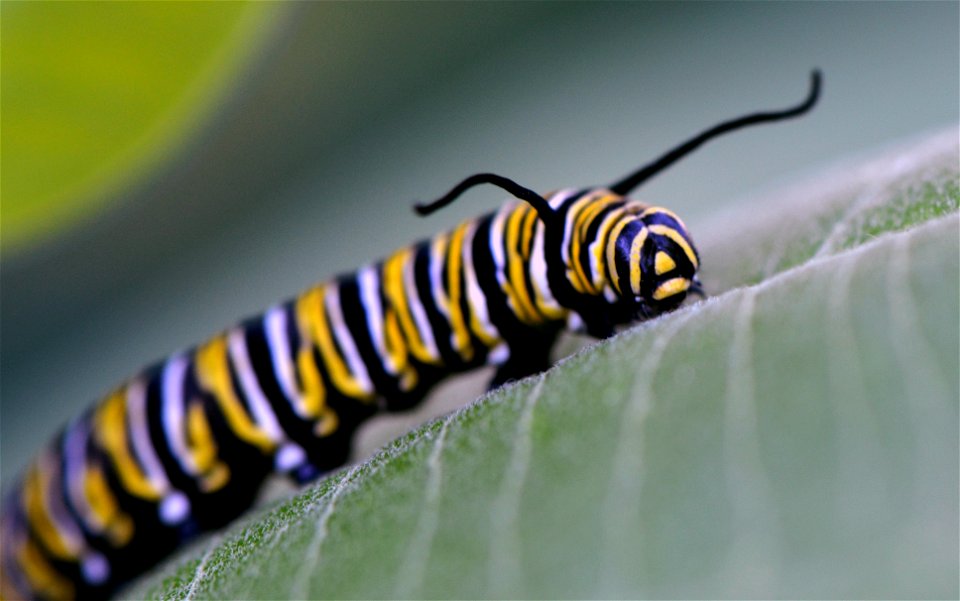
562	289
62	450
297	429
466	309
231	449
356	319
293	338
591	234
438	322
498	307
624	247
338	350
527	276
178	478
235	383
68	570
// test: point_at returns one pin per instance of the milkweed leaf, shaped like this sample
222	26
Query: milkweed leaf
792	436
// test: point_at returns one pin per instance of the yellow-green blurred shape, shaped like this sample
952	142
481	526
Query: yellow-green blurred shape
96	94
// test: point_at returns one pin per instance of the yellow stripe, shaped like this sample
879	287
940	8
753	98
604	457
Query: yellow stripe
671	287
635	271
663	263
581	224
461	336
44	579
515	302
548	311
477	328
397	350
203	448
526	241
396	293
216	478
510	233
110	432
674	235
472	284
668	212
614	218
328	423
213	473
524	309
577	280
35	490
314	393
118	525
393	342
213	372
506	285
438	252
543	309
312	318
475	325
612	253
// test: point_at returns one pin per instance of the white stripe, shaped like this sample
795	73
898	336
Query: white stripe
172	411
75	454
53	501
559	197
538	269
345	340
497	240
416	307
140	435
289	457
497	243
568	226
281	357
13	534
95	568
478	302
575	323
498	355
556	202
373	310
174	508
259	405
436	277
596	274
174	505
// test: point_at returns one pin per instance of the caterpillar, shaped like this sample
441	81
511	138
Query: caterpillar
184	446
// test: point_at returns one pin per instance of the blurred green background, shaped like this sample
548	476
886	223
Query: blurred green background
170	168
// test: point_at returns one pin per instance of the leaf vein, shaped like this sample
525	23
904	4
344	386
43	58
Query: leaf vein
505	574
413	568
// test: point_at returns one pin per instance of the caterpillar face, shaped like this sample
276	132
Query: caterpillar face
656	262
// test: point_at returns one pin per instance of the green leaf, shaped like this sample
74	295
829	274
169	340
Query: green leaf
95	95
796	437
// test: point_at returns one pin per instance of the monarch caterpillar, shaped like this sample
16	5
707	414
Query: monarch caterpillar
184	446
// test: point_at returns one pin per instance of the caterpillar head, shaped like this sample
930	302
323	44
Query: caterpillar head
655	263
652	261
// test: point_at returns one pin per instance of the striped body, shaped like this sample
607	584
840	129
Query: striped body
184	446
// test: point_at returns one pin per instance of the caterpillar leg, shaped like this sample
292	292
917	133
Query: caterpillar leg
527	357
